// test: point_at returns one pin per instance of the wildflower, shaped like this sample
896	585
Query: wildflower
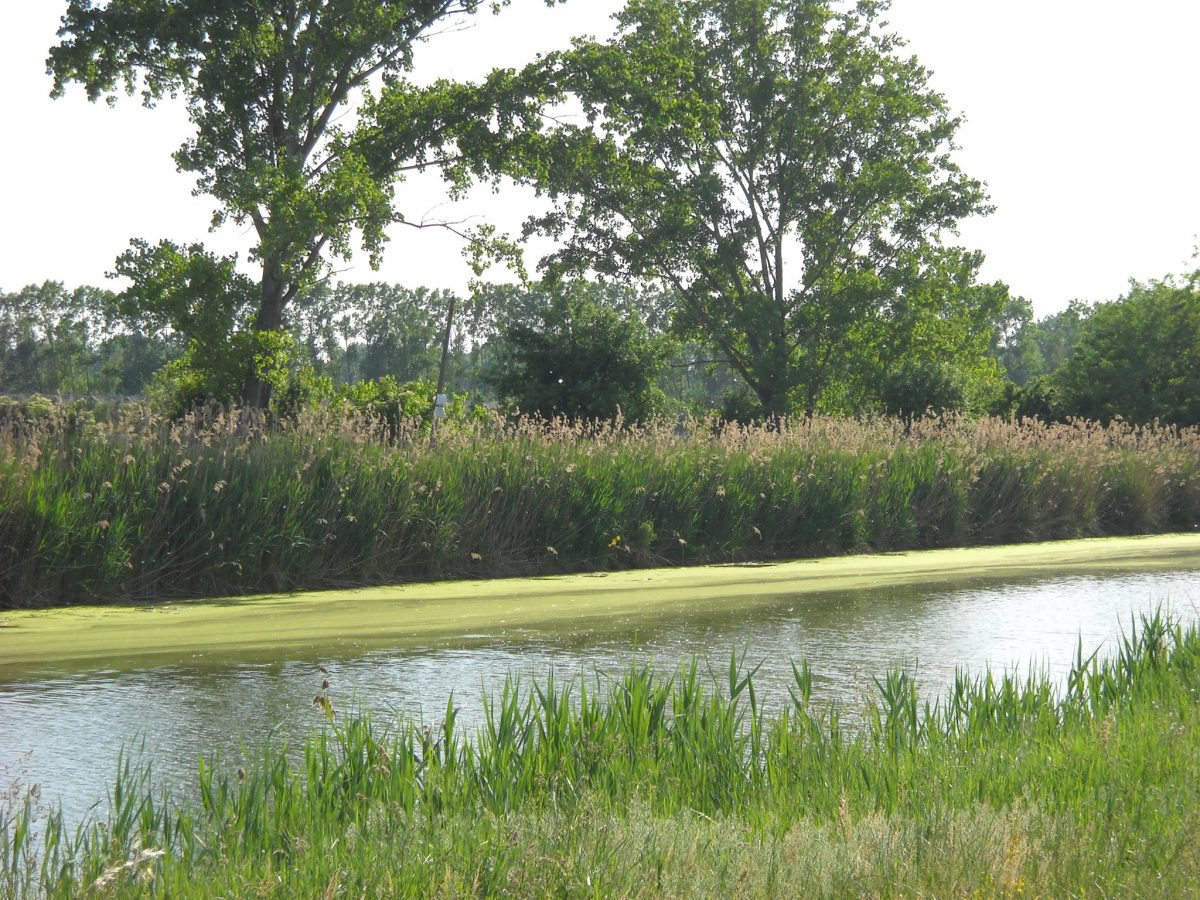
614	542
551	550
476	556
219	486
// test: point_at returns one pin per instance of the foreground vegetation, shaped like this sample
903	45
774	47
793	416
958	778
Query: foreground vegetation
145	508
649	785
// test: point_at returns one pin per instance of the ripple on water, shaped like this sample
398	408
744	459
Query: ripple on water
65	731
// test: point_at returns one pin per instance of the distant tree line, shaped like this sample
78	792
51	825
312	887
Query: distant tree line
58	341
586	349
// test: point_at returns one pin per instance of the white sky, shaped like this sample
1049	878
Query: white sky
1083	117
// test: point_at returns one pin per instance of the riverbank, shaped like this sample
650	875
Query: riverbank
145	509
668	785
329	622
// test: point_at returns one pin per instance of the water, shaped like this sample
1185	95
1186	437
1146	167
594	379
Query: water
64	731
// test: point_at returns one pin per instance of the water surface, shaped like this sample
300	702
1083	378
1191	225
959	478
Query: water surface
63	729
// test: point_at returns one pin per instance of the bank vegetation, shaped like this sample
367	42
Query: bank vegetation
141	507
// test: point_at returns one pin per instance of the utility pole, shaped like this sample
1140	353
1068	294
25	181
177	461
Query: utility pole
440	400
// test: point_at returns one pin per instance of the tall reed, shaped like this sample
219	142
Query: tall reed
1004	783
141	507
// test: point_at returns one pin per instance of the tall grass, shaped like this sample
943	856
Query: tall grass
141	508
649	784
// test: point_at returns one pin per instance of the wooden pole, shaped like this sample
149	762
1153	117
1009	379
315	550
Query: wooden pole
439	400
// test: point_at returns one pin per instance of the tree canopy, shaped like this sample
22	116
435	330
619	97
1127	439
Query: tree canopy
786	171
1138	357
266	85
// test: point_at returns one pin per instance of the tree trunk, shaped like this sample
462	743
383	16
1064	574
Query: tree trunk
257	392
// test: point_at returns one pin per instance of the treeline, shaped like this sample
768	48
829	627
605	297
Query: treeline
373	341
587	350
1137	357
55	341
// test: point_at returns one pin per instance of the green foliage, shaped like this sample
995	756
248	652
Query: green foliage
194	293
785	171
367	331
215	374
579	357
394	406
1029	349
1139	357
140	506
268	88
55	341
922	385
203	299
740	406
1036	399
918	388
685	785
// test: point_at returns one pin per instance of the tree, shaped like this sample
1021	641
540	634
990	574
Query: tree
51	339
203	299
1139	357
578	356
400	330
782	168
1033	349
267	85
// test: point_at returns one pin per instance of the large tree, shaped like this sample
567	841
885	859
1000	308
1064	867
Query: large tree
786	171
267	85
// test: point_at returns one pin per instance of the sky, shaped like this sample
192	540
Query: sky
1081	116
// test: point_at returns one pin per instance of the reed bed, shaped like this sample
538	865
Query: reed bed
146	508
684	785
142	508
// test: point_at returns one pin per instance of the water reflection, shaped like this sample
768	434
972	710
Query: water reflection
64	732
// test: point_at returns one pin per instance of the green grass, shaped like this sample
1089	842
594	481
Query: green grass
140	508
648	785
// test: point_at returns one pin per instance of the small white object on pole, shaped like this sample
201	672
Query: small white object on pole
439	406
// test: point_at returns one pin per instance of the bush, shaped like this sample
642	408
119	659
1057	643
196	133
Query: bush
208	374
1038	398
917	388
580	359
